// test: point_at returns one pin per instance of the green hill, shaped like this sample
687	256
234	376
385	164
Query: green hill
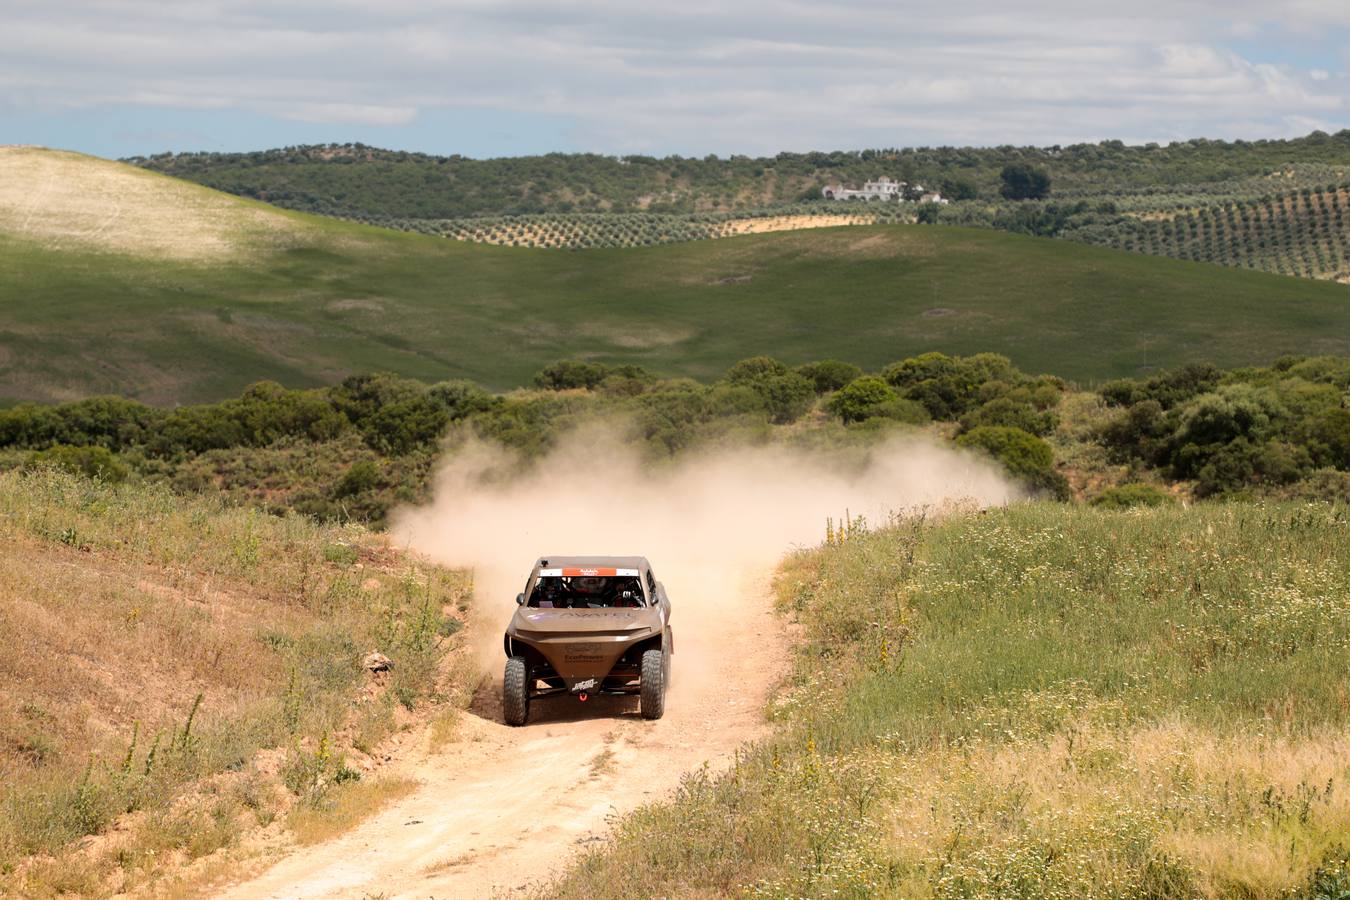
117	280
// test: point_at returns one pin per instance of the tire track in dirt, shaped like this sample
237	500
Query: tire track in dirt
503	809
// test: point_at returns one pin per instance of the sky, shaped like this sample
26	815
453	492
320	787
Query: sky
482	78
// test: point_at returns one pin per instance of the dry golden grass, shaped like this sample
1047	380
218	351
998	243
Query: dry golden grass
67	200
345	807
766	224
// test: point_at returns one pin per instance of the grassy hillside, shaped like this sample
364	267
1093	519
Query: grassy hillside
1041	701
189	671
306	300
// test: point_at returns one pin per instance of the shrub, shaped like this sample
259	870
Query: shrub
570	374
829	374
787	397
1234	411
1169	389
665	414
1128	495
783	394
755	368
361	477
862	398
1010	413
461	398
1022	454
1329	438
400	428
949	386
92	462
1242	463
361	396
1135	432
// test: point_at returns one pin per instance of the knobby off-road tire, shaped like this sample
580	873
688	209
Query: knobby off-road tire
516	691
653	684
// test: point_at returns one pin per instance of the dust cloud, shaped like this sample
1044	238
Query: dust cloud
713	524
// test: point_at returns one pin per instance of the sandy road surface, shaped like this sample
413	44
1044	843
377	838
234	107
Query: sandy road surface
503	808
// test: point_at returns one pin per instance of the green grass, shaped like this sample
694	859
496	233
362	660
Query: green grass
1040	701
333	298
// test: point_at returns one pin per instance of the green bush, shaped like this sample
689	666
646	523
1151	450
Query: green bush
787	397
1169	389
400	428
570	374
755	368
1022	454
1328	438
829	374
361	477
949	386
1010	413
862	398
461	398
93	462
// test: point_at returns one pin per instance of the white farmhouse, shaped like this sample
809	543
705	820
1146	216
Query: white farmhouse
883	189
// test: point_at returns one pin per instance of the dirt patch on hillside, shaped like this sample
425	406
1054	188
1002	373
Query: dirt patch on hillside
790	223
66	200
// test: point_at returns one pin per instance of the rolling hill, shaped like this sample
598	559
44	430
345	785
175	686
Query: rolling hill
118	280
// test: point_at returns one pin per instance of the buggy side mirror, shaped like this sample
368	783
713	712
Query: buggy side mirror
520	599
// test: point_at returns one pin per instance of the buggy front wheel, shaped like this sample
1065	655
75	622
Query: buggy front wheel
653	684
516	691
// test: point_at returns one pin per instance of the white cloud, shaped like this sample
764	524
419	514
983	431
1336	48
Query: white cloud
345	113
701	75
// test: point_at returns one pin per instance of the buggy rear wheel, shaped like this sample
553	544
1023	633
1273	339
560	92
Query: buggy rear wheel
516	691
653	684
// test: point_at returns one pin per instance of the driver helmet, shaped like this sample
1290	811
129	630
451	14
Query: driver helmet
589	584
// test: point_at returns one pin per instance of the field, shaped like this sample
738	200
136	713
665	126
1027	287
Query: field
1039	701
306	300
1301	233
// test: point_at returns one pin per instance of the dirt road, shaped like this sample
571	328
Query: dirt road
503	808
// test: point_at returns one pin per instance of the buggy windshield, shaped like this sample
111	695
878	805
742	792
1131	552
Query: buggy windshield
586	589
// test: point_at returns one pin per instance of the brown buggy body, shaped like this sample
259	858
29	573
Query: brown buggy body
588	625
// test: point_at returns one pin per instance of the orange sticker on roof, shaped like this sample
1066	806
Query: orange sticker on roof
588	573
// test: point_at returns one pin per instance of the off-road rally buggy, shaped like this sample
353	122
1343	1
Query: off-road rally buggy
588	625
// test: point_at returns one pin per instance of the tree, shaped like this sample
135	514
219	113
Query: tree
959	189
927	214
1022	181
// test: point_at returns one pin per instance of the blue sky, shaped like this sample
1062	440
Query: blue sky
484	78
